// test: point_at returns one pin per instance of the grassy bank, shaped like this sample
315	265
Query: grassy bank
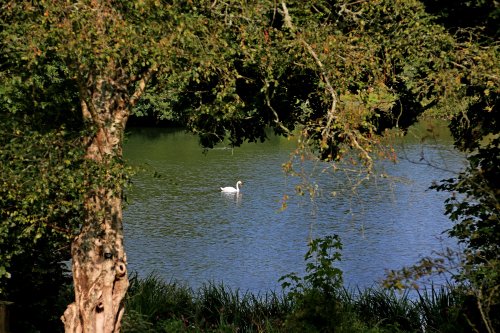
156	306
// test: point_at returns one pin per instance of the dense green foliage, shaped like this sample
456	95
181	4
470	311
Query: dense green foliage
40	199
342	71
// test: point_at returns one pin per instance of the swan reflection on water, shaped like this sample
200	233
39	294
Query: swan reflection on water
232	196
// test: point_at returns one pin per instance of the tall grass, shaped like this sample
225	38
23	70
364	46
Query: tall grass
153	305
151	300
156	306
444	310
387	309
217	305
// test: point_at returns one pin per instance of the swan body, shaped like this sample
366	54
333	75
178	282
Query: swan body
230	189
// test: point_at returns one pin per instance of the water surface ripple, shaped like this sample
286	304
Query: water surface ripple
179	225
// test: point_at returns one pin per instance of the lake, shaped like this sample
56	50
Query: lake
179	225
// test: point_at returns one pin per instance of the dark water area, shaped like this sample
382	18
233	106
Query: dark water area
180	226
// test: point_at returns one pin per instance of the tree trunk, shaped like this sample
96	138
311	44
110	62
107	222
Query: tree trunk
99	267
99	262
98	255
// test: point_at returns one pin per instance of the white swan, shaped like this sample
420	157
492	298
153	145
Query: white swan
232	189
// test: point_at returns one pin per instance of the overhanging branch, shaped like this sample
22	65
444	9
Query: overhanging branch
324	75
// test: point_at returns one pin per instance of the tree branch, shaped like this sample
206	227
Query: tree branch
276	120
142	85
333	108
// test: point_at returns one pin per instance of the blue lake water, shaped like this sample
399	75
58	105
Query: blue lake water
180	226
